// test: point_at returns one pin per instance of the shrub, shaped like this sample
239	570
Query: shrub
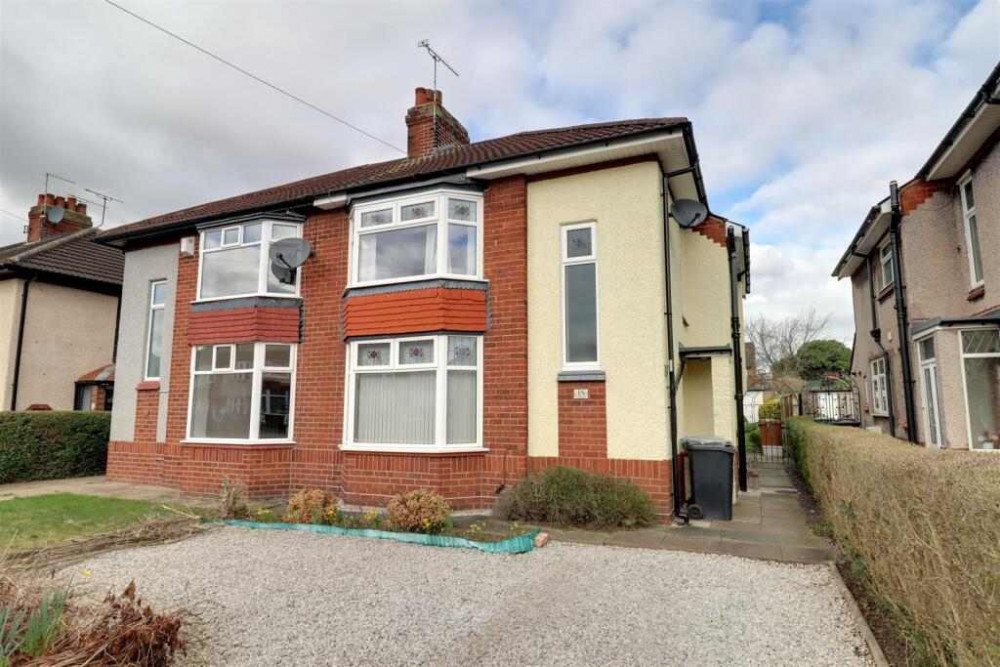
52	445
233	501
753	437
419	511
923	526
569	496
312	506
770	409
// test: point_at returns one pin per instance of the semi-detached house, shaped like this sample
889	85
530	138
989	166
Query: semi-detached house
469	314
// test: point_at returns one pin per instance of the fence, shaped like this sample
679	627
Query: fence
835	407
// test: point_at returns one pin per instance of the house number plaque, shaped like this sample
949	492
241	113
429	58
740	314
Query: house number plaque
581	393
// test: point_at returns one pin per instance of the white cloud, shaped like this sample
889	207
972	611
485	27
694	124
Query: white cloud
803	111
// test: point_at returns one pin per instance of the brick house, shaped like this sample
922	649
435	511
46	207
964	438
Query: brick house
59	293
926	288
470	313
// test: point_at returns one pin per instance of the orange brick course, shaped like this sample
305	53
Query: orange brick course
244	325
415	311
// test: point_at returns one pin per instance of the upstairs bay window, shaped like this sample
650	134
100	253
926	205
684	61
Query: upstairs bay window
241	392
235	262
437	234
415	394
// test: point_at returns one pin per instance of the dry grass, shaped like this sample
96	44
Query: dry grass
924	526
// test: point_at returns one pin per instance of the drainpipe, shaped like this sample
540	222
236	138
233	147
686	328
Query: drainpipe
876	334
901	314
671	378
20	343
734	309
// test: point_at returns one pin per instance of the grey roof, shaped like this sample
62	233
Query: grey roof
76	255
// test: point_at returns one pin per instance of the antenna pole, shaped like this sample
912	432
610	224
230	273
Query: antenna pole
426	44
104	202
45	197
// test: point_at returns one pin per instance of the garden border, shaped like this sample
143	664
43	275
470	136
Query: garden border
512	545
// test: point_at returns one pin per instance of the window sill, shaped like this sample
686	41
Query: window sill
576	375
223	442
235	297
885	292
976	292
413	449
148	385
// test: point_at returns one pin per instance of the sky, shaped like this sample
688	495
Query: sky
802	111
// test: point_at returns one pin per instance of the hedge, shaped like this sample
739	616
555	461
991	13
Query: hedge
52	445
922	526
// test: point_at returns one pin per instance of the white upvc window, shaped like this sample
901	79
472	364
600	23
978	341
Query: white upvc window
886	273
154	330
880	392
415	394
579	296
428	235
971	231
242	392
981	377
235	263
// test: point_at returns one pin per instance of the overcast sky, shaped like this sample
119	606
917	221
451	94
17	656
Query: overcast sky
803	112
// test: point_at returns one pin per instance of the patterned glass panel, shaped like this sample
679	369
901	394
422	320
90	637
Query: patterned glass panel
460	209
417	211
461	350
373	354
985	341
579	243
416	352
380	217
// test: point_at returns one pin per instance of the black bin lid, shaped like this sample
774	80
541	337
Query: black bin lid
707	443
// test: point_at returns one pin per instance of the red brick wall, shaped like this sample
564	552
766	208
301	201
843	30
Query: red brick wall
244	325
415	311
583	429
915	193
651	476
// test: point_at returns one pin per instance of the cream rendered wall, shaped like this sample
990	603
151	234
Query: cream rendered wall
625	204
10	314
697	417
724	403
67	333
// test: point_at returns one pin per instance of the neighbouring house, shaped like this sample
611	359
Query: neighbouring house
926	289
470	313
59	293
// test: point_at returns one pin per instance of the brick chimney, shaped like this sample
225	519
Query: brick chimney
423	138
74	217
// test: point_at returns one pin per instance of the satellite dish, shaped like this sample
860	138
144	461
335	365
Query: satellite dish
286	256
290	253
54	214
688	212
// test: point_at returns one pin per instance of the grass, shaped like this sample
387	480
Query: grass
41	521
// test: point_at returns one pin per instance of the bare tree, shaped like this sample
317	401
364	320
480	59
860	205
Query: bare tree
778	341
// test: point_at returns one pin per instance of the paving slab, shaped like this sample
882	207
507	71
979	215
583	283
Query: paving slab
99	485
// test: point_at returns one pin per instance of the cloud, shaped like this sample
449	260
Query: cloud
803	112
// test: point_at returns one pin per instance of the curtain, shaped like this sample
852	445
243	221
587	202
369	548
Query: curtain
462	405
394	408
221	405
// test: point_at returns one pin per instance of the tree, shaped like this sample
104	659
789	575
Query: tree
777	344
822	358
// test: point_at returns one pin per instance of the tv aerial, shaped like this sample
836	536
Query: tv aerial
286	256
53	214
688	212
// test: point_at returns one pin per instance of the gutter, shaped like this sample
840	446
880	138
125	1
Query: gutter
902	315
734	309
20	343
675	472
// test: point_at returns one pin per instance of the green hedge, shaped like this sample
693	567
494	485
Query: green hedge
920	528
52	445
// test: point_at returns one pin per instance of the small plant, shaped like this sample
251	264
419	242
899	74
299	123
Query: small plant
568	496
770	409
373	519
476	531
419	511
332	515
233	501
312	506
264	515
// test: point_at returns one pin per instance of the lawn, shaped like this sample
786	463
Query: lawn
27	523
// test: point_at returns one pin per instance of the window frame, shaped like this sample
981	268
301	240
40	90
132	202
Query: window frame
880	391
440	218
963	355
566	261
257	370
263	269
967	214
441	368
885	260
153	307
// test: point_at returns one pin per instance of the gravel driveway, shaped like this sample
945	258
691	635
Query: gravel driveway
270	598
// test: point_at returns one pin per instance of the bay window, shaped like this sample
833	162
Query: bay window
421	393
241	392
579	283
235	262
418	236
981	371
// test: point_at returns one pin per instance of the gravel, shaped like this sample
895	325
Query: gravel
266	597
